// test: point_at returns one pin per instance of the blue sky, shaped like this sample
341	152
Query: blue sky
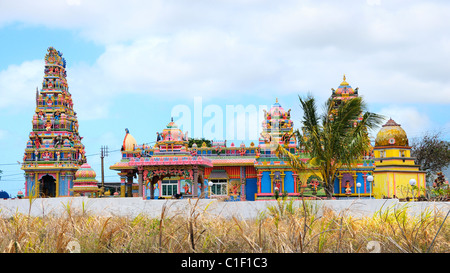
130	63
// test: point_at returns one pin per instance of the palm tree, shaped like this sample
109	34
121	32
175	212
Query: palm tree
334	139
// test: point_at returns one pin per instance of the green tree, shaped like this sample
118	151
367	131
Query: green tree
431	152
332	139
199	142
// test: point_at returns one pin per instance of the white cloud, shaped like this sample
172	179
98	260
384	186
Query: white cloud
374	2
73	2
205	62
412	120
394	51
18	81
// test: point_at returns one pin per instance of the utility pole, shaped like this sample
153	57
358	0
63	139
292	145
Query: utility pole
103	154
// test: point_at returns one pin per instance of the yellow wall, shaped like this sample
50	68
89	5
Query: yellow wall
392	174
395	183
392	152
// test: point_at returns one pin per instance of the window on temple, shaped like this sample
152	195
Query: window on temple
169	187
219	187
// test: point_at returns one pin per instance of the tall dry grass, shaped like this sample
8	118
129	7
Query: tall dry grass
282	228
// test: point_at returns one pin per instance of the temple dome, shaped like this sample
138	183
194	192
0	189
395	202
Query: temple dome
129	142
85	180
85	172
391	134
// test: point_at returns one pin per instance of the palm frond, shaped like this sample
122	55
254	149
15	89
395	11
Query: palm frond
294	161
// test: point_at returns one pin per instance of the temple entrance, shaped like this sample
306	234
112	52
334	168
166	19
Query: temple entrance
48	186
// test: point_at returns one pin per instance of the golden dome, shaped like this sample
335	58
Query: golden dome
391	134
129	142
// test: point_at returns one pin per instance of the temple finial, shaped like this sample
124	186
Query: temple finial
171	119
277	100
344	77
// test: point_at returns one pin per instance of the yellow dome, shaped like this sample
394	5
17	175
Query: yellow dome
129	142
391	134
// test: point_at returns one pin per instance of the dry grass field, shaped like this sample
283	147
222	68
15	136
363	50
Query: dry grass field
283	228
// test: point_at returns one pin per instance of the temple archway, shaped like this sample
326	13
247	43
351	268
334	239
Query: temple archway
48	186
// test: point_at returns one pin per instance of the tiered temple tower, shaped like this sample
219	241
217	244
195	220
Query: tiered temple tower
54	151
346	182
341	95
273	173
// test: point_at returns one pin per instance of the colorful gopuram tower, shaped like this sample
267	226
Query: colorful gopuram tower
342	94
54	151
274	174
346	182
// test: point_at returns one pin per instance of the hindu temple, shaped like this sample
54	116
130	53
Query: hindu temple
55	164
54	151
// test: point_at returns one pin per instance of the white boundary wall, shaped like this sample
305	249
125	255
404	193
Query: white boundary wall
132	207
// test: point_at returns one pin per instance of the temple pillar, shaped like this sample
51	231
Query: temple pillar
340	182
259	176
294	175
36	186
365	183
69	177
152	187
243	181
122	183
271	182
140	180
202	190
129	185
195	183
57	185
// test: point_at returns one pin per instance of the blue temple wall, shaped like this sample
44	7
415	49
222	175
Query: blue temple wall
265	183
251	188
70	179
289	182
63	191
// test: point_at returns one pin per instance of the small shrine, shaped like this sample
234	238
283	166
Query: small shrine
395	168
54	151
85	183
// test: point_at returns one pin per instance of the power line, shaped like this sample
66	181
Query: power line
11	174
101	153
12	180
